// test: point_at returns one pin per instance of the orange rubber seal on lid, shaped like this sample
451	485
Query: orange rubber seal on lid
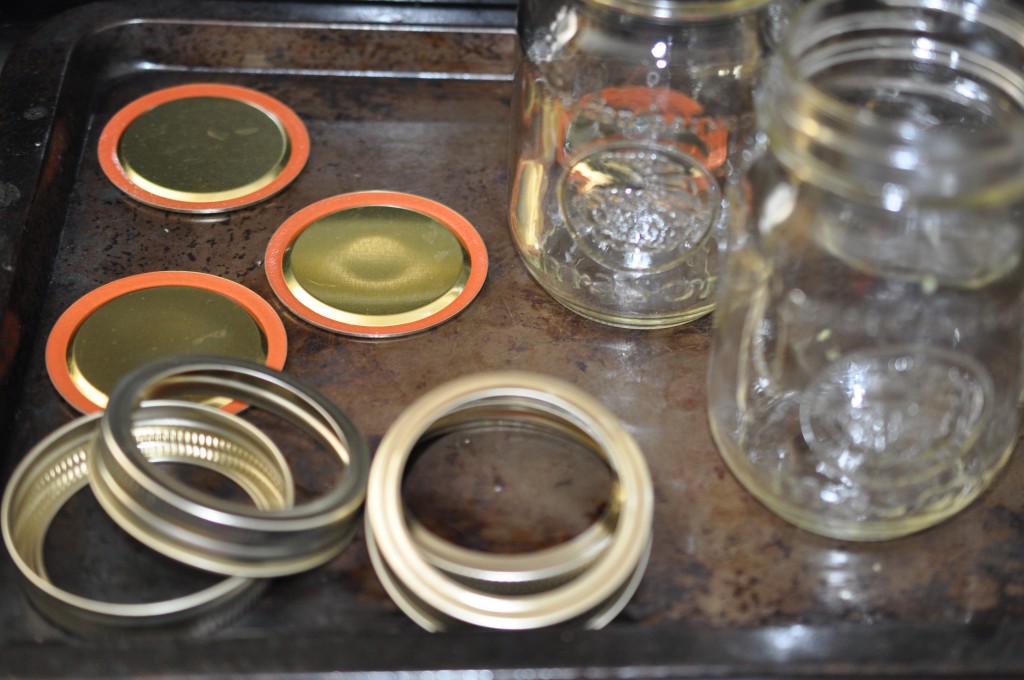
376	264
295	139
703	137
241	302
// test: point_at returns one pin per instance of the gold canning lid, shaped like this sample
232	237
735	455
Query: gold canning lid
57	468
132	321
203	148
376	264
435	597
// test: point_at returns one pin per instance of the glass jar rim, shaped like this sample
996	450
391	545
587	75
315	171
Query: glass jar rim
682	9
906	151
802	37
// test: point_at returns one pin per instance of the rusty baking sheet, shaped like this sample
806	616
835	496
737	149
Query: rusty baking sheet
415	98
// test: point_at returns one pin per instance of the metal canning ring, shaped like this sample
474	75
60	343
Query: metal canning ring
208	532
56	469
435	593
435	620
522	572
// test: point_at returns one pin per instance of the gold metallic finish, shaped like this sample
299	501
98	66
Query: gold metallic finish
376	265
439	587
56	469
209	532
420	613
201	149
521	573
434	620
129	322
524	572
132	330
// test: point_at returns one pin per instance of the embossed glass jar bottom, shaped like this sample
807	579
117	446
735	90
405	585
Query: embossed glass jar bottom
867	360
879	444
577	280
849	529
627	235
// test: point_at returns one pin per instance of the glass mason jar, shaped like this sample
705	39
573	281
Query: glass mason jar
866	366
629	118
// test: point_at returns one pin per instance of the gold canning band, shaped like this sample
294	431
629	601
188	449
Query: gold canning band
436	621
434	592
524	572
55	470
208	532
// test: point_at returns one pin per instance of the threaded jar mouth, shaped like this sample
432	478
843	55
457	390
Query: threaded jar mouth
895	98
673	10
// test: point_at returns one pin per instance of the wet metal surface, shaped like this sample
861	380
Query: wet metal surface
731	590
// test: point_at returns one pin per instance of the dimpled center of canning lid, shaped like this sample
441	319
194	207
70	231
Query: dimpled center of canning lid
377	260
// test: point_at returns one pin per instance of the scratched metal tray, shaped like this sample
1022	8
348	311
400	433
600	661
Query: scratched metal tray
415	97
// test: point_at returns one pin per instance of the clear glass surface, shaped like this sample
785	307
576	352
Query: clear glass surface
629	120
866	366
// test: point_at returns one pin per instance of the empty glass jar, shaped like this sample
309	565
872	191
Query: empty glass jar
630	116
867	358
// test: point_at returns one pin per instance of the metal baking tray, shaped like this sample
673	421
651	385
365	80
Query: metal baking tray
415	97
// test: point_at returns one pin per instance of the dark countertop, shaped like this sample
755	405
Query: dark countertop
10	33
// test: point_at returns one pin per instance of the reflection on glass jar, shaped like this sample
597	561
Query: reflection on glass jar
867	357
630	118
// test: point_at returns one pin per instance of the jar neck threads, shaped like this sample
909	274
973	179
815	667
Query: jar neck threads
896	101
673	10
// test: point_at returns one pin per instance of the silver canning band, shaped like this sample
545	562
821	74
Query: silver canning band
212	533
55	469
438	597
